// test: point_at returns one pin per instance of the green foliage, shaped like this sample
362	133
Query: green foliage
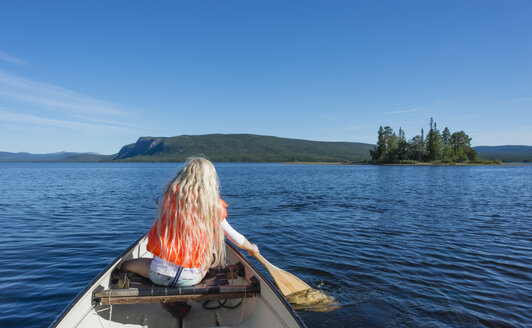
461	147
389	146
436	147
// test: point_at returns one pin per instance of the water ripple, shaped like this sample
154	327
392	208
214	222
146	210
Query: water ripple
397	246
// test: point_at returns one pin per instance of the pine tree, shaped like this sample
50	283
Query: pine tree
421	146
446	139
393	143
434	143
402	146
387	135
378	150
415	148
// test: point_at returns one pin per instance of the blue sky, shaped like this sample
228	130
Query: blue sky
95	76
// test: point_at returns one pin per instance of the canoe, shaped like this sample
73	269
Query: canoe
235	296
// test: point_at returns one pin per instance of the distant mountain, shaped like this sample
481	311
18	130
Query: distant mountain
242	148
505	153
245	148
88	157
53	157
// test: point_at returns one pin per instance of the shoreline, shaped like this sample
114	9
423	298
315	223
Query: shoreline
409	164
282	162
452	164
316	163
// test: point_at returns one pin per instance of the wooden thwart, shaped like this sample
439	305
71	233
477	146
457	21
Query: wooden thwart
174	298
130	288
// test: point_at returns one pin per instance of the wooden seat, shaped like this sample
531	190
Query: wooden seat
130	288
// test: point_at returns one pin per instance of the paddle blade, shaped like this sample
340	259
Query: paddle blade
300	295
288	283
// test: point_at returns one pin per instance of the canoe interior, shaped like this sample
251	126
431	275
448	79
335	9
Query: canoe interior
220	283
259	303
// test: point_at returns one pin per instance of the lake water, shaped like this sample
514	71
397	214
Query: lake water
396	246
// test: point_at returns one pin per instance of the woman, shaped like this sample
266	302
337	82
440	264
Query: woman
187	237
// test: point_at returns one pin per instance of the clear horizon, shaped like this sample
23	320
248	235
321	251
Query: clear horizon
93	77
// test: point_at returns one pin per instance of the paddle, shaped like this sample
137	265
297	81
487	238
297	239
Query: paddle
297	292
287	283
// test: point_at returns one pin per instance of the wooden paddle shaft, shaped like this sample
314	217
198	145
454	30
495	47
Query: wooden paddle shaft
264	262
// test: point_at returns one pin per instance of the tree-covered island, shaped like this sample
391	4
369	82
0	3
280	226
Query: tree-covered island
435	147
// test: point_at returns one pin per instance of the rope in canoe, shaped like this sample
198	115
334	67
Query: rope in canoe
221	304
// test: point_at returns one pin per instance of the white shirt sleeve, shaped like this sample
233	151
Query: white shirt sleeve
234	236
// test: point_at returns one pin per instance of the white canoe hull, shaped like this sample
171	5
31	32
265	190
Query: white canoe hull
269	309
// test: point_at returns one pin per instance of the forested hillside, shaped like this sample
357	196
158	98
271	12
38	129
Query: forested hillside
242	148
506	153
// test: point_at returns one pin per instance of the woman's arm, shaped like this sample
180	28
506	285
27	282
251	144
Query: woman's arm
238	239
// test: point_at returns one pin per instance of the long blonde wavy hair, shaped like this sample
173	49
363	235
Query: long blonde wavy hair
191	204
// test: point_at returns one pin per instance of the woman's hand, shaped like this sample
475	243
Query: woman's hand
253	249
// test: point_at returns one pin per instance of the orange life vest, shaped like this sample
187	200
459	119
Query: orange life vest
196	252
